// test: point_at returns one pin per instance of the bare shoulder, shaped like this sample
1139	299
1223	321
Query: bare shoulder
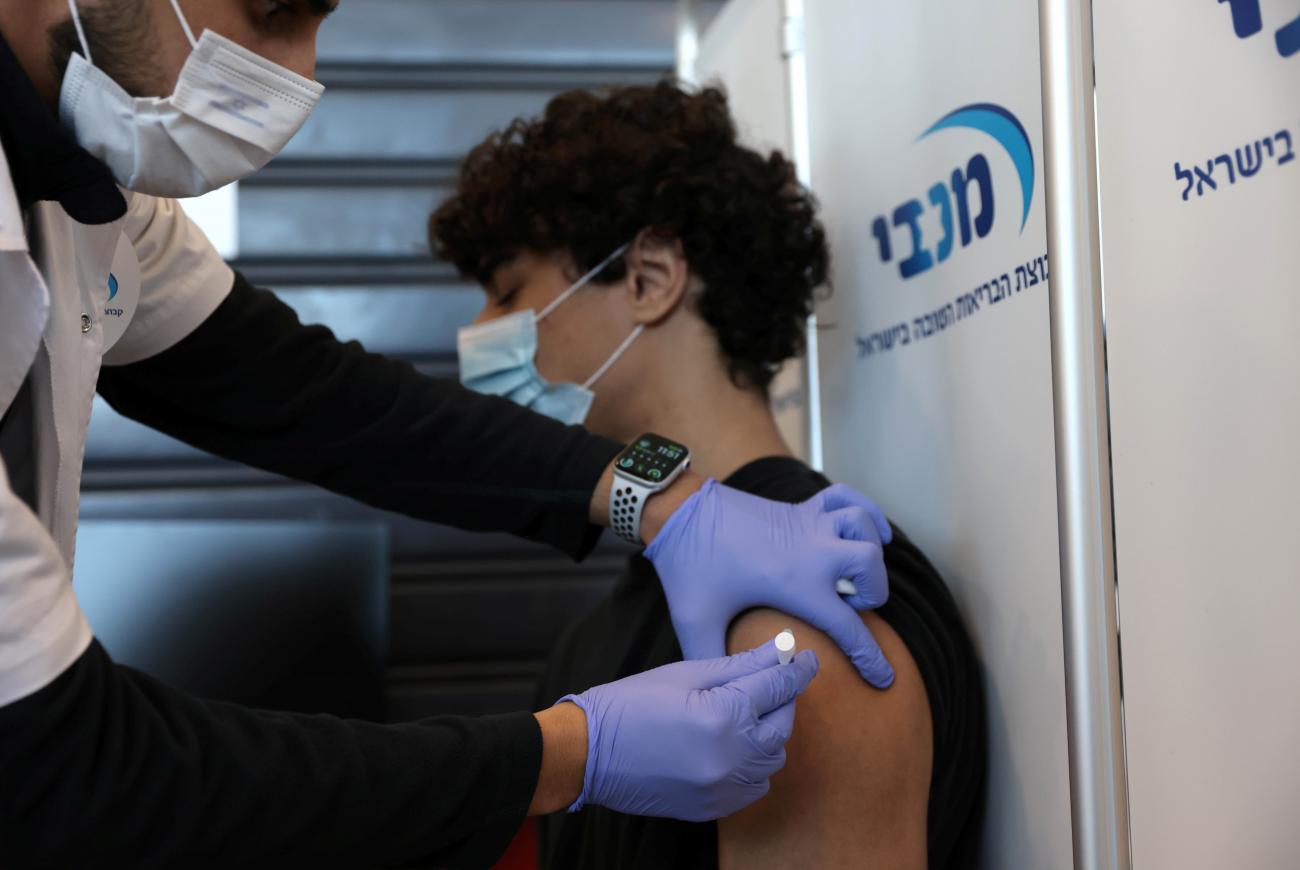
855	787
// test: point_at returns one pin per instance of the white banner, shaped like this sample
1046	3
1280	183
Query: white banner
935	356
1198	126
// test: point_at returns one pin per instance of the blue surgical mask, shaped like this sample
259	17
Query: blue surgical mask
499	358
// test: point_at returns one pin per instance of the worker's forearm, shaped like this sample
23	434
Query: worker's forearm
109	767
657	510
564	758
254	384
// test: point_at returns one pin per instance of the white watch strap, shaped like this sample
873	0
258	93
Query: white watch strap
626	503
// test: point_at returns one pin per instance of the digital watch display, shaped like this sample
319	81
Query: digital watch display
649	464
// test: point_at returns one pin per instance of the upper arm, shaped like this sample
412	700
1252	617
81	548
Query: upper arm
855	786
182	278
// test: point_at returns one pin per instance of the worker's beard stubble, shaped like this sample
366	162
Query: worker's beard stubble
122	44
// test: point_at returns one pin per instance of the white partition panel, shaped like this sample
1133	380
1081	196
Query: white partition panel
1198	108
935	356
741	50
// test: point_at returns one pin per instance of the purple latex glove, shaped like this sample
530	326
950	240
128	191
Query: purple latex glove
725	551
694	740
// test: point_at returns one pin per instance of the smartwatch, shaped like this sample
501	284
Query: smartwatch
649	465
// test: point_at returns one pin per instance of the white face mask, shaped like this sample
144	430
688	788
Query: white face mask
232	111
499	358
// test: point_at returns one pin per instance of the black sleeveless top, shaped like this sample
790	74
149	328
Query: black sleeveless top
630	631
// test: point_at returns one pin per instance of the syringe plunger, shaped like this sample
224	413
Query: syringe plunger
785	646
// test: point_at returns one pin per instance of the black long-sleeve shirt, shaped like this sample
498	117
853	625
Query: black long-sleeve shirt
253	384
106	766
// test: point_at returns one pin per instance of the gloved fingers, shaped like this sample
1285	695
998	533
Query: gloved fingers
862	563
720	670
774	728
854	524
761	765
700	644
742	794
680	519
766	765
864	601
777	685
841	495
700	640
845	627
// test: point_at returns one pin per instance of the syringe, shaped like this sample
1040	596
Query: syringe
785	646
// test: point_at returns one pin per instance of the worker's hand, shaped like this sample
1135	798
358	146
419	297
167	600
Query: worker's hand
724	551
694	740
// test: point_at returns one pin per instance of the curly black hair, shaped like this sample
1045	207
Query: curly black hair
596	169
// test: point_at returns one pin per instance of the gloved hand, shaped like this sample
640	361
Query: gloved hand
693	740
725	551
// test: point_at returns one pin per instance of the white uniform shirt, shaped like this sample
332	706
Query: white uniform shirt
54	312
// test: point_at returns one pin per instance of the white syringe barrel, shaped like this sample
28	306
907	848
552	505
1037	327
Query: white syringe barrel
785	646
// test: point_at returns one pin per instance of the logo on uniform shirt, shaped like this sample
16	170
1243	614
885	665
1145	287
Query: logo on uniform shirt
123	292
112	291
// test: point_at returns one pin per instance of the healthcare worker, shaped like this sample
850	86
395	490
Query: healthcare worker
108	110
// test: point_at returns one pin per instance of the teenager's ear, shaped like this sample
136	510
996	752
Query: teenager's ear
657	276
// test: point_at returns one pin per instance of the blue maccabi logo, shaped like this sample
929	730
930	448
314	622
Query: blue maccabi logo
112	286
1247	20
1007	131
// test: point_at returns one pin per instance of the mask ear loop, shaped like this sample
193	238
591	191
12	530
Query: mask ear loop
81	33
185	25
614	357
582	282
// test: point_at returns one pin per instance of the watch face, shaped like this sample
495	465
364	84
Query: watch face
651	459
